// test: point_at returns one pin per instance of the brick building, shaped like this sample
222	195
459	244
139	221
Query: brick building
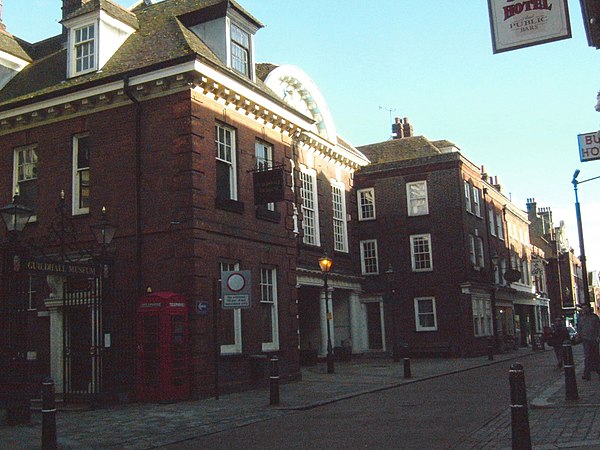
438	239
563	268
160	114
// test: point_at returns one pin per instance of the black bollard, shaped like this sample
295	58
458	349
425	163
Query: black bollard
490	351
274	382
48	415
407	373
570	379
521	437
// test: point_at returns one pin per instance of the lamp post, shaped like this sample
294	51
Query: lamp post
15	217
389	275
104	232
325	264
586	293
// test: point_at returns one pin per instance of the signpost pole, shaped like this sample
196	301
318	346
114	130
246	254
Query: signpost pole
216	335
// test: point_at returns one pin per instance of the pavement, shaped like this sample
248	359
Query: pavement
555	423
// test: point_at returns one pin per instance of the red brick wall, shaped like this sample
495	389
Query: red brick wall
183	235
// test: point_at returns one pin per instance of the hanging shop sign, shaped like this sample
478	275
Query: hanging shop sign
236	289
517	24
589	146
268	186
512	275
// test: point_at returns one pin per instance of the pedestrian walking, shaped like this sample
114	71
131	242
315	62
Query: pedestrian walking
588	328
558	334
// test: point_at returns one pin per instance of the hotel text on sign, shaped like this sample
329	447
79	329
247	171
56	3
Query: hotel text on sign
589	146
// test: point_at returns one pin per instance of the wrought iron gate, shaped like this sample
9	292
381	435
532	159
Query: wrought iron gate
82	339
98	336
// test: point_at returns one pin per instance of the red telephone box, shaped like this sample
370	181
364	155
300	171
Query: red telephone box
162	369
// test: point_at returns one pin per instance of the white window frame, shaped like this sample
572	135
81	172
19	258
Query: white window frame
240	51
368	250
264	161
502	271
77	174
498	272
468	197
480	251
268	296
476	202
418	313
366	205
236	347
310	206
499	226
226	152
482	316
89	43
417	203
413	240
491	216
340	225
472	252
29	170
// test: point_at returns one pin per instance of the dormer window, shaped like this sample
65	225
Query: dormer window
95	35
240	50
85	53
228	30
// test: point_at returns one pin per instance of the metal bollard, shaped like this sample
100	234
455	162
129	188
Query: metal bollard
570	379
48	415
407	373
521	437
274	382
490	351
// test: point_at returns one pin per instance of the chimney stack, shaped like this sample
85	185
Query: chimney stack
401	128
484	174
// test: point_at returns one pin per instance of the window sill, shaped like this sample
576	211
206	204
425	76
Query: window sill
227	204
268	215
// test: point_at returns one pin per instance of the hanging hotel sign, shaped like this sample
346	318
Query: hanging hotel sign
589	146
236	289
268	186
523	23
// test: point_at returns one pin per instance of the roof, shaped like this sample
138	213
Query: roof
114	10
400	149
14	46
161	39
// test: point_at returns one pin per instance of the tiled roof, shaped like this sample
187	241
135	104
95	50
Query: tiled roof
160	39
15	46
114	10
400	149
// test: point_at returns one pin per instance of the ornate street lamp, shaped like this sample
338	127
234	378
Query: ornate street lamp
103	231
16	216
325	264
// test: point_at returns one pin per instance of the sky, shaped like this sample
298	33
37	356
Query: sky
518	112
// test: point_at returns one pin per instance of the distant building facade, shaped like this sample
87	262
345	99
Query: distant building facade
437	241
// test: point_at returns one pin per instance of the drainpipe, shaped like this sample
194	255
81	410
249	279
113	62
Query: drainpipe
138	185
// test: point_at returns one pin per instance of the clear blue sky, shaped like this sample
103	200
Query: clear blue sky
518	113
